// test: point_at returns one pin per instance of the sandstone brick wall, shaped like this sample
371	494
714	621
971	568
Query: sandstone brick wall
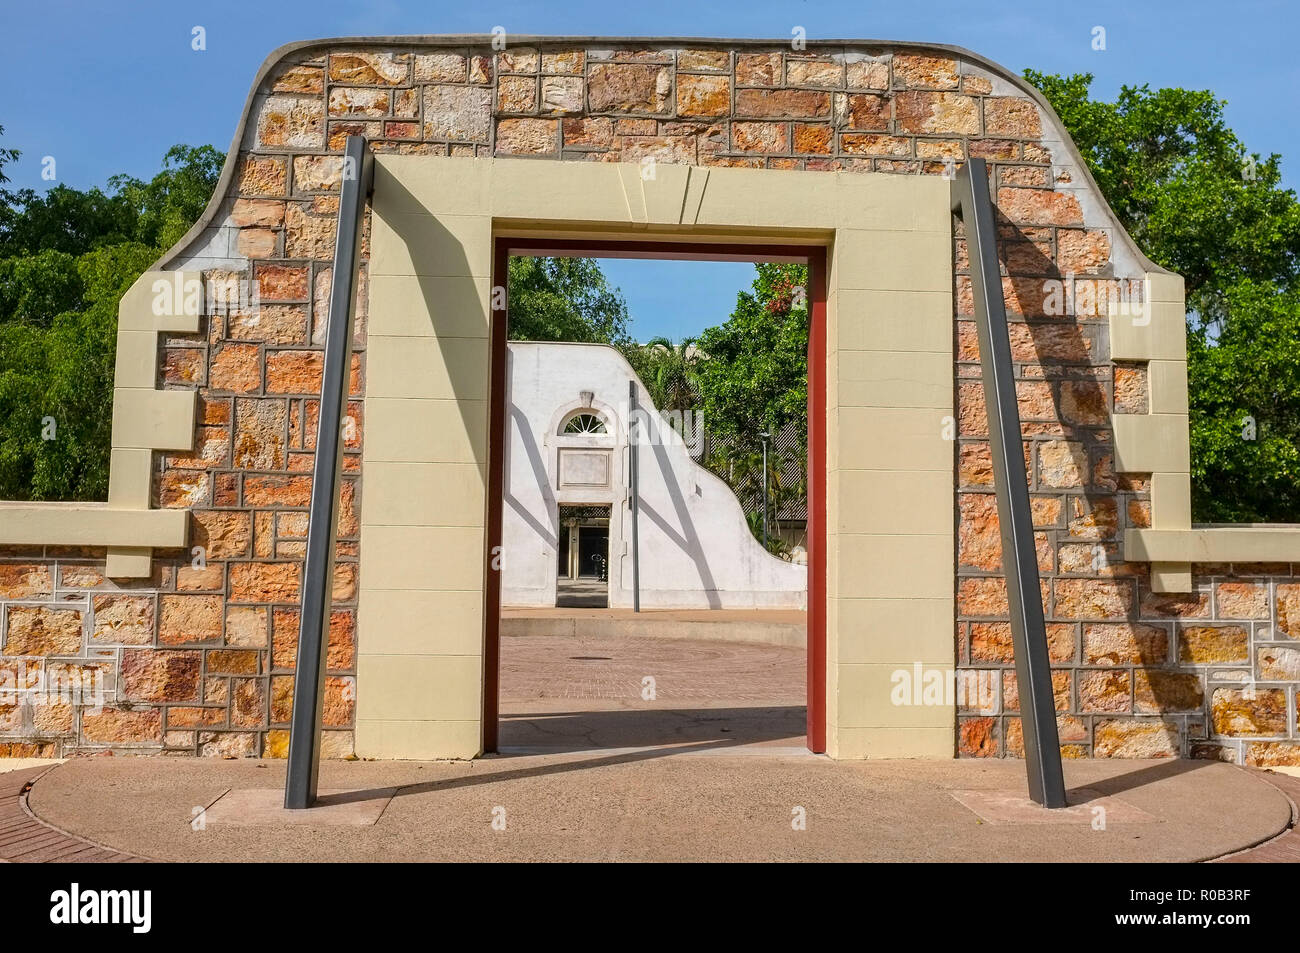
200	658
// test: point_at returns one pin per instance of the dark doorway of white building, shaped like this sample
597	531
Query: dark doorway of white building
582	566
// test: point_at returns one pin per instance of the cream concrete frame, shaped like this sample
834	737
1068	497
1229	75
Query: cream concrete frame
144	420
1157	443
889	415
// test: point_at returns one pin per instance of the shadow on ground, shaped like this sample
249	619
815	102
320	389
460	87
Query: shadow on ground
662	803
576	730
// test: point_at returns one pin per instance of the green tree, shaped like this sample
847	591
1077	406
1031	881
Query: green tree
1197	202
36	288
56	386
6	156
170	202
565	299
64	219
753	377
66	258
668	371
756	370
1246	393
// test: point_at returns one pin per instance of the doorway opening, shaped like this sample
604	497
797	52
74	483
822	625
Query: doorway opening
572	421
582	567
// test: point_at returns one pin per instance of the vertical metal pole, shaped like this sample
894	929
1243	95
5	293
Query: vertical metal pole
313	628
632	494
764	435
970	200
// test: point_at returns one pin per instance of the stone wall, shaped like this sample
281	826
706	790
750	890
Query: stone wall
200	658
193	660
1138	674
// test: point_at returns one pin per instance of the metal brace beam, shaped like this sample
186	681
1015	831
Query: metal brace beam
971	202
634	490
313	629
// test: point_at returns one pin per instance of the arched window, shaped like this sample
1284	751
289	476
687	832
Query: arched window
583	422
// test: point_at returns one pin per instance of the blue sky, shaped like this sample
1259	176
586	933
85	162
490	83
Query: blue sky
108	87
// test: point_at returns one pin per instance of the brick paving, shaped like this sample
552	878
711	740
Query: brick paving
582	692
26	840
1285	848
613	668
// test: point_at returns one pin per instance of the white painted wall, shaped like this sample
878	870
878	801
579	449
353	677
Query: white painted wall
696	549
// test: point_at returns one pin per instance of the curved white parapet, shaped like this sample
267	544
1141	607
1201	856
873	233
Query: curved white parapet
696	550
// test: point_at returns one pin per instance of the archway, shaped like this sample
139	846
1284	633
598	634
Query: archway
814	256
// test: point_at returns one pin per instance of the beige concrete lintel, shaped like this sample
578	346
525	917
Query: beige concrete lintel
128	478
91	524
1214	544
1165	286
1171	501
889	290
136	364
144	419
1167	383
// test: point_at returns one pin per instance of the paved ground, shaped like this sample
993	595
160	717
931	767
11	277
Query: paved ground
583	592
788	627
711	768
25	839
1285	848
649	805
615	670
570	693
23	764
682	615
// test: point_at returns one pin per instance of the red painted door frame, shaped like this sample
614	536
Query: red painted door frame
815	257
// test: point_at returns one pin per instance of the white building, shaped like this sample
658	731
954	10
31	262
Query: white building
567	497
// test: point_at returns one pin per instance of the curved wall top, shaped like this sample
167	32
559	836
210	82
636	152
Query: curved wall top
1004	82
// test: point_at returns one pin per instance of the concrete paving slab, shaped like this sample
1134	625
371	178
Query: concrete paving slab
22	764
263	807
651	805
633	670
783	627
712	768
1012	807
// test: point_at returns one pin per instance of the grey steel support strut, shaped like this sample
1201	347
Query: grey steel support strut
313	629
970	201
634	503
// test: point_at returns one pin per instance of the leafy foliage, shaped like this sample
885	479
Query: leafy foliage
669	371
741	466
1197	202
565	299
170	202
754	378
1246	436
66	259
756	374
